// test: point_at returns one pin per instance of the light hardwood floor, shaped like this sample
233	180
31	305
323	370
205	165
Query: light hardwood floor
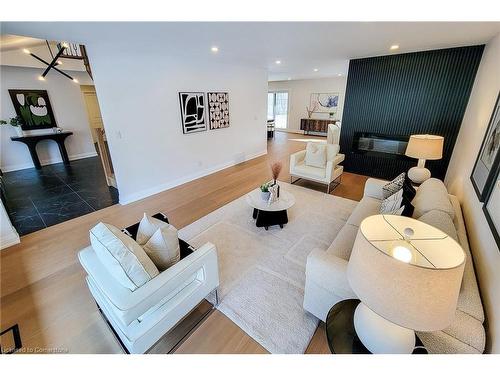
42	285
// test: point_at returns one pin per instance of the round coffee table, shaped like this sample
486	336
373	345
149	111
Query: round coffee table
265	214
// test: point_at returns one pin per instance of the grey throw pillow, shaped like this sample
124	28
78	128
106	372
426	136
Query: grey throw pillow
440	220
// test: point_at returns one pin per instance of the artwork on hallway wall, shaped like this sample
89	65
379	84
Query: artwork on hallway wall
487	161
192	112
324	102
218	110
33	107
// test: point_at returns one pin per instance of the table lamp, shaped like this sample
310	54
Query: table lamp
423	147
407	275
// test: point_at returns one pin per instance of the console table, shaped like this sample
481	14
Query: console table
31	141
315	125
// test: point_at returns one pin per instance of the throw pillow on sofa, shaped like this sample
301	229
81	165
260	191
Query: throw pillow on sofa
315	155
393	186
440	220
124	258
147	227
163	247
393	204
432	195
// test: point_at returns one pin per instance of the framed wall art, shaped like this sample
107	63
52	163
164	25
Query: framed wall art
218	110
192	112
34	109
491	207
324	102
482	176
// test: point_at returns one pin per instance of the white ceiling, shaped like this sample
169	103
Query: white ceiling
301	47
11	42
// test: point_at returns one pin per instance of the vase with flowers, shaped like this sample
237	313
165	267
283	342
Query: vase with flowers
276	168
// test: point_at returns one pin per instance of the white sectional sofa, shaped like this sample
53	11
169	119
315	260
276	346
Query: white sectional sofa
326	278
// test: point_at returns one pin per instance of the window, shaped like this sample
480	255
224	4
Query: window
277	108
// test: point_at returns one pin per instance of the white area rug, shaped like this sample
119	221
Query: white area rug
262	273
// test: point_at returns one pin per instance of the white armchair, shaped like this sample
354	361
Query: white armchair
141	317
327	175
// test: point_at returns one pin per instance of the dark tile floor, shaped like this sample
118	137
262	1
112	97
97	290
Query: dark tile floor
40	198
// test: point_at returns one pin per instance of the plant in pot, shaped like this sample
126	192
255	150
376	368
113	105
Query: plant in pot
15	122
264	191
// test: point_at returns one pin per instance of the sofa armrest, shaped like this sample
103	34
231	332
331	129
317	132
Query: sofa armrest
329	272
296	158
201	266
373	188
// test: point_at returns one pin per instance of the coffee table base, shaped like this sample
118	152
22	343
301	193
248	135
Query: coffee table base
269	218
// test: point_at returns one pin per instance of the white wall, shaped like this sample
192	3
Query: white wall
69	111
485	251
8	234
299	94
138	95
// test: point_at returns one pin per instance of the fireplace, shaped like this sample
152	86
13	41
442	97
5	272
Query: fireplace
382	145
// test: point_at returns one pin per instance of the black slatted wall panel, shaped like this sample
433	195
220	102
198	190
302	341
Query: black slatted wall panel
413	93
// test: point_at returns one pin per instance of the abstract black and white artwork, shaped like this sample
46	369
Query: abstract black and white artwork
218	110
489	155
192	112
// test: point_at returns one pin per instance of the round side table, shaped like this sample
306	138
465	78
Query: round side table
341	335
265	214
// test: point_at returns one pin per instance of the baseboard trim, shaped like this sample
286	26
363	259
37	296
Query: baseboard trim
48	162
295	131
169	185
10	240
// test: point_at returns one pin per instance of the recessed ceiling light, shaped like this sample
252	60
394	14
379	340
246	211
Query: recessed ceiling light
214	49
26	51
75	80
289	78
315	69
394	47
339	75
278	62
41	78
59	62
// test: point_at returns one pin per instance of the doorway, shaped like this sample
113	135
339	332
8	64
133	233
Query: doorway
98	132
277	108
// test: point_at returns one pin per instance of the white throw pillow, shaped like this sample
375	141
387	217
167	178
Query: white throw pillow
163	247
392	204
315	155
125	260
147	227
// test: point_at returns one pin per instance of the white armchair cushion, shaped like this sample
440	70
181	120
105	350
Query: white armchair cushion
147	227
163	247
332	152
315	155
124	258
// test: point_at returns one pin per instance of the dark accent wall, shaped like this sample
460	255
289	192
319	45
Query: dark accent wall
412	93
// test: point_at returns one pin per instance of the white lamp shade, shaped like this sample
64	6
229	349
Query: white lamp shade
419	292
425	146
